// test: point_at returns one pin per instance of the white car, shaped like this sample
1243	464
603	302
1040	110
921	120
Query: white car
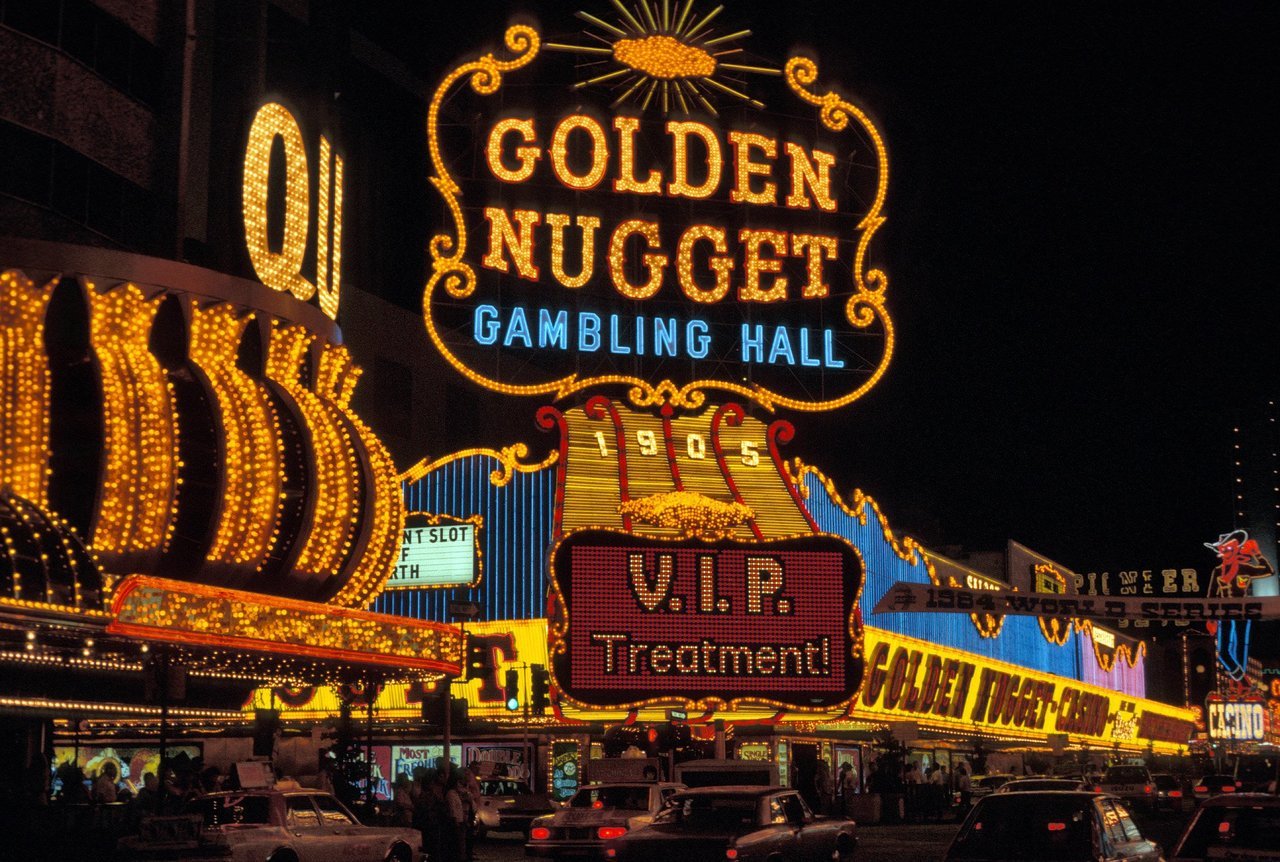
595	814
271	826
508	805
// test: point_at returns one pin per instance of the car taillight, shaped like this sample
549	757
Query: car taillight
1057	827
1175	794
1097	788
604	833
539	833
1200	788
1147	789
611	853
1228	788
731	853
597	805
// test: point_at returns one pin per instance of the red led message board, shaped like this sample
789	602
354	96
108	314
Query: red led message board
642	620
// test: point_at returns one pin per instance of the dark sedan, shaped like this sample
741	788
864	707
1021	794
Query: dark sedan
1051	826
746	824
1022	785
1239	826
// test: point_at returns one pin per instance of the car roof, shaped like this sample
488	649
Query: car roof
743	790
1052	794
1243	800
599	784
252	791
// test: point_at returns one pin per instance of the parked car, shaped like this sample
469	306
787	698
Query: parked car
594	814
1170	794
741	823
985	785
719	773
508	805
1051	826
1235	826
1131	783
1022	785
251	826
1214	785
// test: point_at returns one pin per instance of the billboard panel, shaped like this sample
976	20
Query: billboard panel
646	620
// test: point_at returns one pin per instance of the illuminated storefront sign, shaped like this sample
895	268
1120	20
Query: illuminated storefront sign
178	612
564	768
651	241
706	623
1141	582
944	687
1236	720
279	267
437	551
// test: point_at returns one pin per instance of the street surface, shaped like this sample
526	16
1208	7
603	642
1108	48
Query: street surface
903	842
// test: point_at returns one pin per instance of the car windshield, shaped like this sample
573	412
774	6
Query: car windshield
1039	784
1217	782
1165	782
710	812
1022	826
1126	775
626	798
232	810
1219	831
502	788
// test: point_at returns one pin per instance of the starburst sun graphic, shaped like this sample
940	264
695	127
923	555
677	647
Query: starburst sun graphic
663	49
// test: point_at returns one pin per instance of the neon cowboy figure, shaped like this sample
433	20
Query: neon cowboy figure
1240	564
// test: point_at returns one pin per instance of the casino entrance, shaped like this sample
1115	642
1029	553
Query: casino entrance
804	771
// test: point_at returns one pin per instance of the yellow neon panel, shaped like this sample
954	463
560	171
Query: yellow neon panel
140	440
253	467
24	387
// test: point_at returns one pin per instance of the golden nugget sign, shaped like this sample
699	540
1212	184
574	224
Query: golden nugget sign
909	678
654	228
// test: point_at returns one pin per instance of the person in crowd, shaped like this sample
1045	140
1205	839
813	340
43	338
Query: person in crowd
429	813
402	799
148	799
822	786
964	784
210	780
104	786
74	790
455	822
939	789
470	787
847	787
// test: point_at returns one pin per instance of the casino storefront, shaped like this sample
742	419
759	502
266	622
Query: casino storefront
208	548
190	509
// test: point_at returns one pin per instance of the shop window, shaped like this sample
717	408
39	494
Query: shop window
37	20
70	183
50	174
27	159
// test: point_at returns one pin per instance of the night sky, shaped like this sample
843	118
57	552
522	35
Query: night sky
1081	252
